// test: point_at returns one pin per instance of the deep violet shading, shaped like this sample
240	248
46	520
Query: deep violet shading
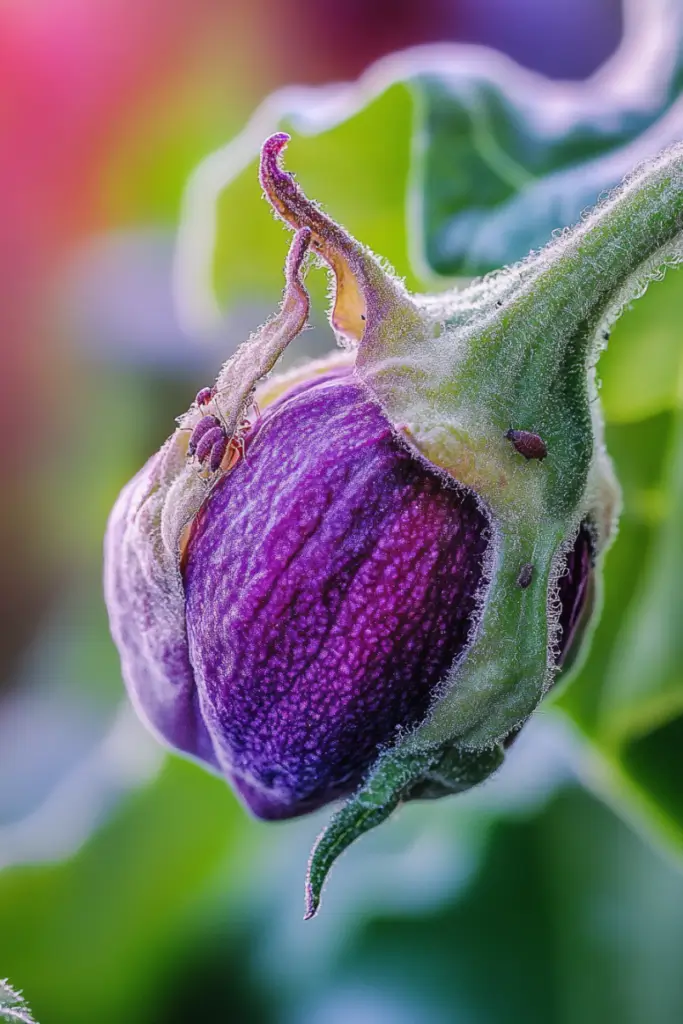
330	584
574	587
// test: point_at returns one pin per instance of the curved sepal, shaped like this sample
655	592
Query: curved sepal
367	297
232	394
398	776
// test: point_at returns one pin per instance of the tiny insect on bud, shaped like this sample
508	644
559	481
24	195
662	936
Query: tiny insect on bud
198	432
531	446
209	439
218	452
525	577
204	396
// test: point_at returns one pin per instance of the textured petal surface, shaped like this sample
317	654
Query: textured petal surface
330	582
147	622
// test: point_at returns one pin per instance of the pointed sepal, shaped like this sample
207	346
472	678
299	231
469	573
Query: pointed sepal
398	776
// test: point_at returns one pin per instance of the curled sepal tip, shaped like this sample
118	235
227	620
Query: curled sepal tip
364	291
257	356
399	775
231	396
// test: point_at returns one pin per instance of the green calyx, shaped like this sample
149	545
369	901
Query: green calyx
495	386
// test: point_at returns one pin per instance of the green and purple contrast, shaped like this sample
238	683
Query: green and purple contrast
372	591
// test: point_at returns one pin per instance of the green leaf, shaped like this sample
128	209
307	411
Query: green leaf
572	917
644	683
88	937
639	454
642	369
498	174
628	697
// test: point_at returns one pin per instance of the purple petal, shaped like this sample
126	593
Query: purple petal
331	582
148	626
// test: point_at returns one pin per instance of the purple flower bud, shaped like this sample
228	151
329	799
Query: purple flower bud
286	615
330	582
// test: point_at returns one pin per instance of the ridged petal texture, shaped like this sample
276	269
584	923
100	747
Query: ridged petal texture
331	581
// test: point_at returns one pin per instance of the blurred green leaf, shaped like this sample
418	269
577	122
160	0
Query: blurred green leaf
92	934
628	697
150	154
639	454
571	918
642	369
644	684
498	173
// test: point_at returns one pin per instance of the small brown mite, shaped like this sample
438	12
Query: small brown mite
525	577
531	446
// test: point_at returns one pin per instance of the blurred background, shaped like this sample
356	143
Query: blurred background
133	887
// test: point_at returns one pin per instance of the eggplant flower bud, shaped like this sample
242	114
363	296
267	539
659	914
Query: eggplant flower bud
360	580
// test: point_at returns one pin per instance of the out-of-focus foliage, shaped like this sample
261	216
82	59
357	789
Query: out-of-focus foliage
135	889
162	854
